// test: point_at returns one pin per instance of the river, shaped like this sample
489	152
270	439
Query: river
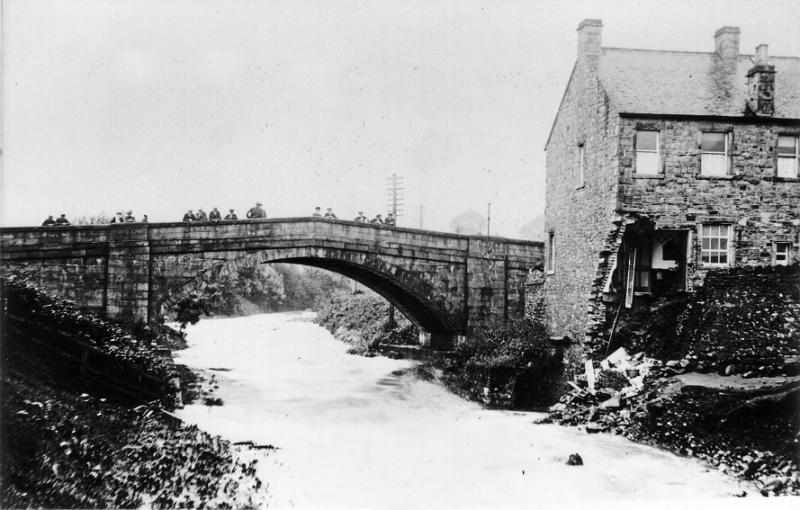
357	432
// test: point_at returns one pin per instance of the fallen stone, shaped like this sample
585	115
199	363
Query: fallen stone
559	407
575	460
730	370
611	403
594	428
672	363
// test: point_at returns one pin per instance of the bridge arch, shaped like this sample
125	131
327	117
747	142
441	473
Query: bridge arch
418	299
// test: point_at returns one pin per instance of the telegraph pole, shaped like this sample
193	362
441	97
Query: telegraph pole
394	189
488	219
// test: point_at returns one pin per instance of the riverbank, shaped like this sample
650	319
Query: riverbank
86	420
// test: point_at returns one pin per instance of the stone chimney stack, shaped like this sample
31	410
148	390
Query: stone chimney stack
726	43
590	32
761	84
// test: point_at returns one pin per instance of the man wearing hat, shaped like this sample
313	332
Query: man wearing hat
257	211
316	214
329	214
129	218
214	215
189	216
231	215
377	219
361	218
390	220
201	215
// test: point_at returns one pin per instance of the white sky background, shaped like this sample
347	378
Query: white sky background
162	106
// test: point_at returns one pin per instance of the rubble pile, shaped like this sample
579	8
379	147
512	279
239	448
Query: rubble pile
742	321
749	433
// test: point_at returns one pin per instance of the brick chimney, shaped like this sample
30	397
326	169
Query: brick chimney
726	43
761	84
589	38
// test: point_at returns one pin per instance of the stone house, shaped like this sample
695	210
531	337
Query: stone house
661	167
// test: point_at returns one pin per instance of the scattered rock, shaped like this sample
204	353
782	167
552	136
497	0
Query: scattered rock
575	460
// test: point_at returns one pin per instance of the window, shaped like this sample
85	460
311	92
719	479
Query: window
716	245
714	154
647	148
581	165
782	253
788	156
551	239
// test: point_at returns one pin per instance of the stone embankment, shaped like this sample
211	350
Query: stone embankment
86	420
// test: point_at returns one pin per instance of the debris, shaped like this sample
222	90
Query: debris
575	460
590	378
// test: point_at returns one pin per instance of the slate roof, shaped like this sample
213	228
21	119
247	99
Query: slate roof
691	83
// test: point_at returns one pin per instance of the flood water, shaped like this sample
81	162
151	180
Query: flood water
357	432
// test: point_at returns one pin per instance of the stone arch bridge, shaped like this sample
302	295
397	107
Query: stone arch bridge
447	284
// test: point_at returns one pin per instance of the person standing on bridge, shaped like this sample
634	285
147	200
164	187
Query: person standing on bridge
361	218
214	215
329	214
257	212
189	216
201	216
390	220
62	221
317	213
130	218
231	216
377	220
49	222
144	218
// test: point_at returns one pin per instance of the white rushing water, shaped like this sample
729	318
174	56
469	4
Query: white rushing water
357	432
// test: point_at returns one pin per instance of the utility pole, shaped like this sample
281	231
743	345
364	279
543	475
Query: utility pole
394	191
488	220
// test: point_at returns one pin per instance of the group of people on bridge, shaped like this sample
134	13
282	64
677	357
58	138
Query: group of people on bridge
214	215
389	221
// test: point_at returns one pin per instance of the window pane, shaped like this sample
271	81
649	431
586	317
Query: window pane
713	164
787	145
647	140
787	167
706	242
713	142
723	244
647	163
723	258
714	243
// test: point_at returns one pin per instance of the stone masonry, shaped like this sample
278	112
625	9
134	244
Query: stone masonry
595	196
447	284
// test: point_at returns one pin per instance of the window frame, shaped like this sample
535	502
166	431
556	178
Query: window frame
795	158
776	252
729	252
551	253
581	165
637	150
726	155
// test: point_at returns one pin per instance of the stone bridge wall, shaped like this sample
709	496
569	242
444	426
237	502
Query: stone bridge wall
445	282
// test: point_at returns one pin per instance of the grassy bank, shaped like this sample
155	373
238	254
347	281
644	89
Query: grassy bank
85	420
362	320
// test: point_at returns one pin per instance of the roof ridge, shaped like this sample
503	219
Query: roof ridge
690	52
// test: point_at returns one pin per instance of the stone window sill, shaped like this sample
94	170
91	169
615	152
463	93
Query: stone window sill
648	176
551	271
580	187
782	179
715	177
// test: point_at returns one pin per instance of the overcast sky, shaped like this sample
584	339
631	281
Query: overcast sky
161	106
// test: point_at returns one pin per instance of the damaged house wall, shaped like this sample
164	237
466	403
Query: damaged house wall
707	195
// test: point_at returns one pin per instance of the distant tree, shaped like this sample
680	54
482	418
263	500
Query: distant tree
533	229
468	222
